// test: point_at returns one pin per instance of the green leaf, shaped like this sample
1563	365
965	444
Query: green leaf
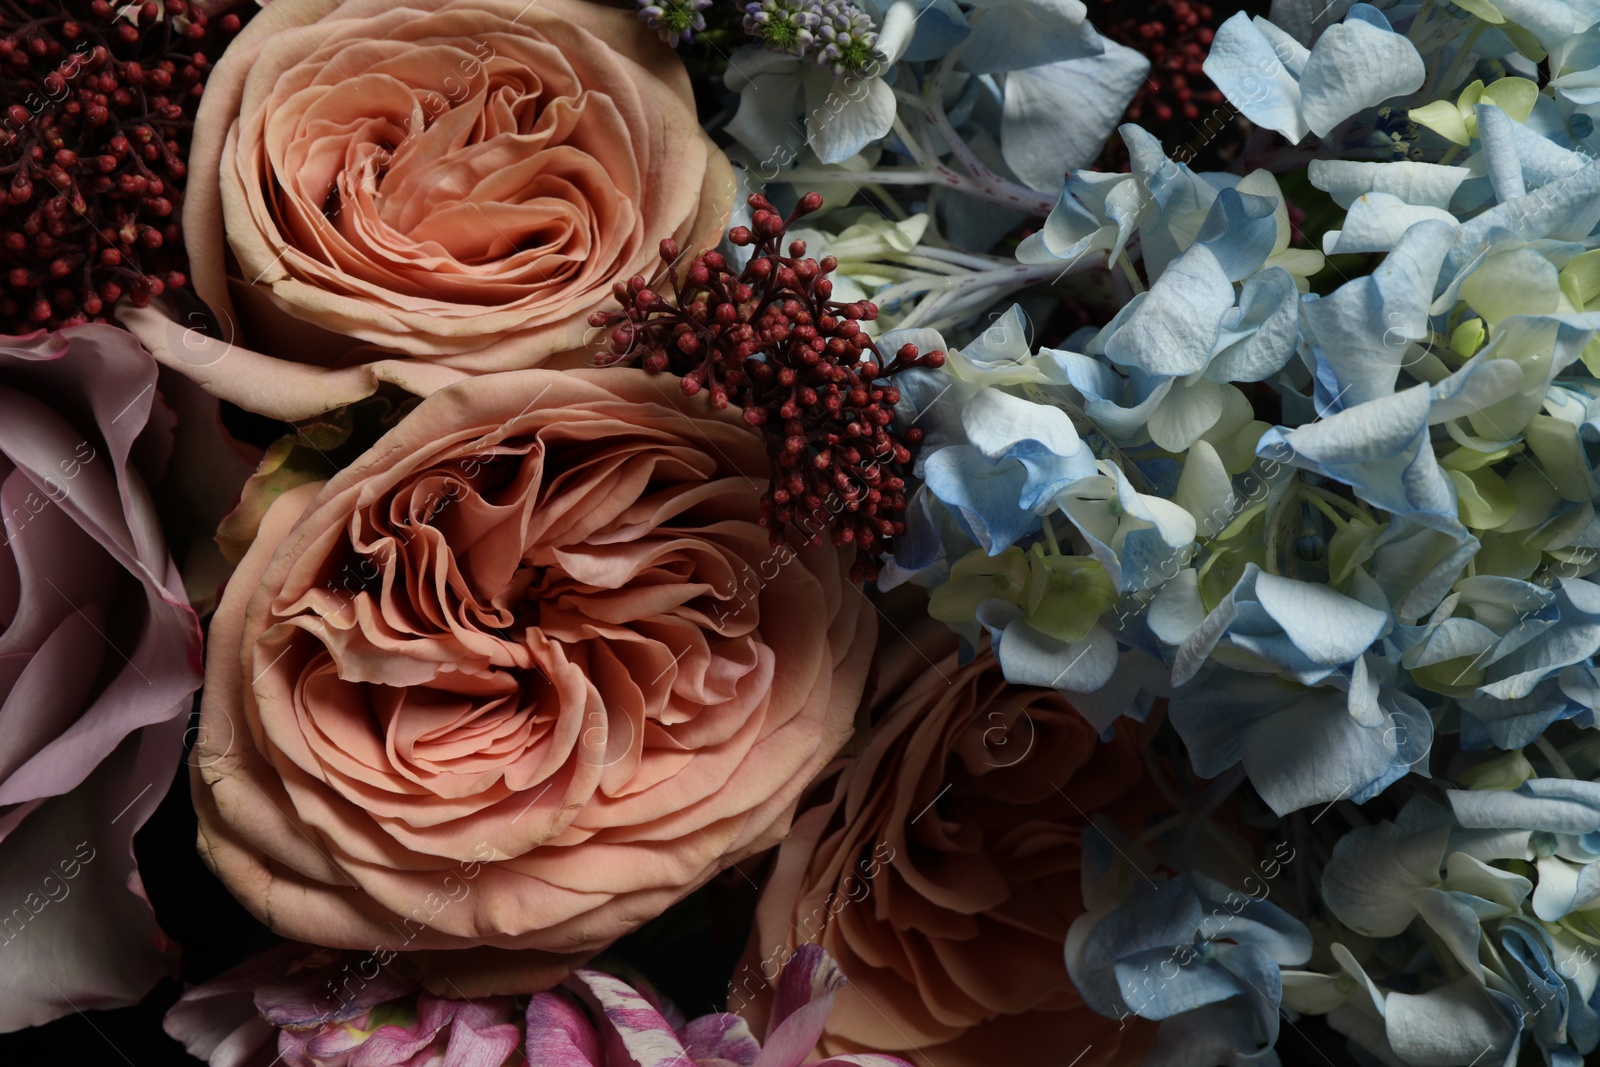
1555	442
1514	96
1508	555
1067	594
1484	501
1501	773
285	464
1466	338
1205	490
1458	677
1350	548
977	577
1444	119
1481	8
1518	281
1470	459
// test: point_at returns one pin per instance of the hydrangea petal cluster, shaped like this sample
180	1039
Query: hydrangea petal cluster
1500	883
1340	527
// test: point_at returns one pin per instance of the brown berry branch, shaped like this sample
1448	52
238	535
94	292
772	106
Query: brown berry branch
98	105
770	339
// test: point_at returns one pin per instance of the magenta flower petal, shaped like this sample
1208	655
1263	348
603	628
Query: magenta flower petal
315	992
800	1007
218	1021
560	1033
483	1034
631	1026
722	1038
394	1045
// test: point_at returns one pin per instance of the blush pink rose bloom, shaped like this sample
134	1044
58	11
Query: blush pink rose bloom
421	192
521	677
99	661
942	870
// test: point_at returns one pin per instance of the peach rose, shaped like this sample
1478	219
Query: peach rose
421	192
942	871
512	680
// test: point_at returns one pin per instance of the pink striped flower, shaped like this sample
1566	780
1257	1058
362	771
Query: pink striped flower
299	1004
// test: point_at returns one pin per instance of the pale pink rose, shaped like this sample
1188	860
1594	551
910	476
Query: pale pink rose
418	192
99	661
521	677
941	868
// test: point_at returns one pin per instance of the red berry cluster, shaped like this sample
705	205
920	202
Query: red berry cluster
1175	35
769	339
98	103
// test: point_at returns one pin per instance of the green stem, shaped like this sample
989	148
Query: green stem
1127	269
1461	58
1050	536
1556	759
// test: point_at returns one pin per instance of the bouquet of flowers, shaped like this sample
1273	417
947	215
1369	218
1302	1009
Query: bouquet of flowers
860	532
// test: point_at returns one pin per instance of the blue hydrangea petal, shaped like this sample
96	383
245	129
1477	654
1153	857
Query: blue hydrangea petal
1039	436
1455	922
1450	1024
1154	915
1374	873
1551	21
1221	1033
1250	70
1376	221
1316	753
1155	993
1566	209
1018	34
1257	338
1326	626
1056	117
1070	232
1029	657
1360	329
1564	888
1382	451
1418	184
1356	65
1174	329
1416	565
1575	639
982	495
840	124
1241	230
1537	159
1517	721
1555	805
940	26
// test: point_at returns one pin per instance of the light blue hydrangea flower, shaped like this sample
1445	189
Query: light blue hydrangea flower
1202	959
1486	885
1280	84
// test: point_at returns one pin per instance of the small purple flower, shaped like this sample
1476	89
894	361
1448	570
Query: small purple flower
849	37
677	21
783	25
